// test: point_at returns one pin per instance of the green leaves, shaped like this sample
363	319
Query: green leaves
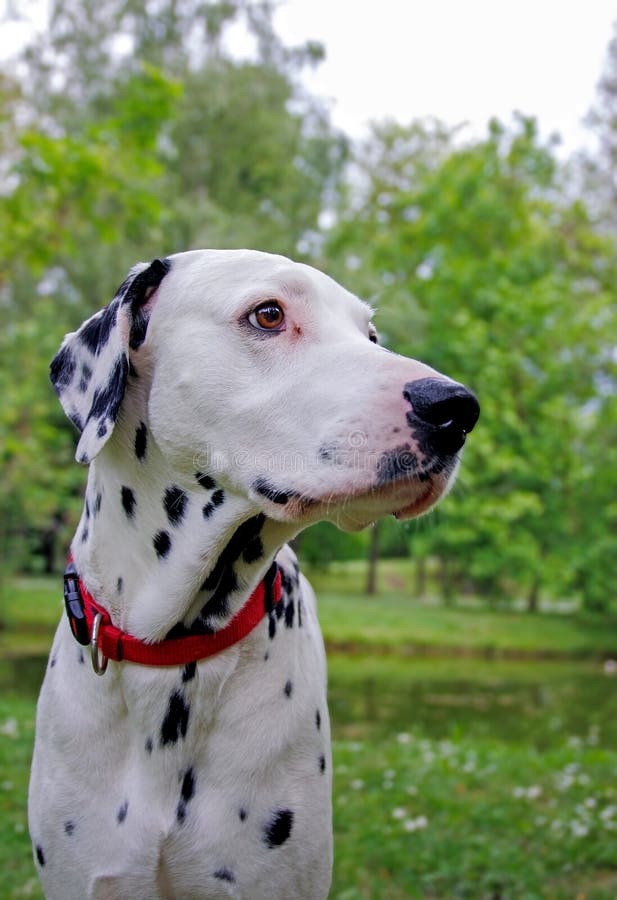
481	268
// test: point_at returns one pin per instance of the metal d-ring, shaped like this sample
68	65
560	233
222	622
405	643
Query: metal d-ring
99	661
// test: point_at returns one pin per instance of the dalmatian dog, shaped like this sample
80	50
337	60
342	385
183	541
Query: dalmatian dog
226	400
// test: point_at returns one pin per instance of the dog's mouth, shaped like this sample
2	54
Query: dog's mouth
354	507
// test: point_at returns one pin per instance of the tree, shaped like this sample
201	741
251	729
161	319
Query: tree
480	268
131	135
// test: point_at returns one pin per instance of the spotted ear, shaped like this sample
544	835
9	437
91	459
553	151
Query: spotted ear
90	370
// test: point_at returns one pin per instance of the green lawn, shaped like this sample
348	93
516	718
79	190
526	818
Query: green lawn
393	620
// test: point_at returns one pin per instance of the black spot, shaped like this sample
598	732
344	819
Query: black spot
52	662
318	720
97	504
136	292
40	855
279	829
289	614
188	672
119	585
162	544
300	613
86	375
279	610
400	462
87	508
128	501
288	689
253	551
205	481
322	763
80	656
69	827
101	430
188	785
95	333
121	814
149	745
106	401
224	875
271	626
207	510
243	814
141	441
175	501
176	719
187	791
62	369
217	497
265	489
266	656
222	579
84	535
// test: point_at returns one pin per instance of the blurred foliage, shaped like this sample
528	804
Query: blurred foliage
481	266
129	129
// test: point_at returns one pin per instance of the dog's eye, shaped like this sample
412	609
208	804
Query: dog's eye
372	334
268	316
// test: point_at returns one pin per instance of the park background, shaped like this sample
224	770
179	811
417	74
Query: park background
471	653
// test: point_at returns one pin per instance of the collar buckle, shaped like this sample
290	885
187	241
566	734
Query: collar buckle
74	604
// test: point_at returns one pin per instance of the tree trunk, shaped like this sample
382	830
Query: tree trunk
373	557
533	598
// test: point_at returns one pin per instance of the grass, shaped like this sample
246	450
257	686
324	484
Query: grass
391	621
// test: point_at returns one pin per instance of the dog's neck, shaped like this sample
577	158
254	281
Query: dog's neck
163	552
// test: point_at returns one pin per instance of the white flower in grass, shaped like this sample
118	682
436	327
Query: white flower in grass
579	829
608	812
355	746
591	802
403	738
530	793
9	728
415	824
399	812
357	784
412	790
389	773
610	666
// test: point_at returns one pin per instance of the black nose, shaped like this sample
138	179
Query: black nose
442	411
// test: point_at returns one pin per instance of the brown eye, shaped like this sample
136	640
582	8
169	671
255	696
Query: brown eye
268	317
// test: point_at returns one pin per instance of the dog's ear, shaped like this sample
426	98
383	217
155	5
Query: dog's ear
90	370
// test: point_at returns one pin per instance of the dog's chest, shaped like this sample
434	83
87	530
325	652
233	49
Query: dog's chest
204	780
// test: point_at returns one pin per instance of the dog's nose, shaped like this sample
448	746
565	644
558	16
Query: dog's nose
445	413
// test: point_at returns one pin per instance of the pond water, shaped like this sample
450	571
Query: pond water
535	703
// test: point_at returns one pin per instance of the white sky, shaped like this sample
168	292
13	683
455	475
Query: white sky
459	60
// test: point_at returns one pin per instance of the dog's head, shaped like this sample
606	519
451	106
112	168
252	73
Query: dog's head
268	375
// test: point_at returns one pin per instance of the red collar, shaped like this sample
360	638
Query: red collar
112	643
